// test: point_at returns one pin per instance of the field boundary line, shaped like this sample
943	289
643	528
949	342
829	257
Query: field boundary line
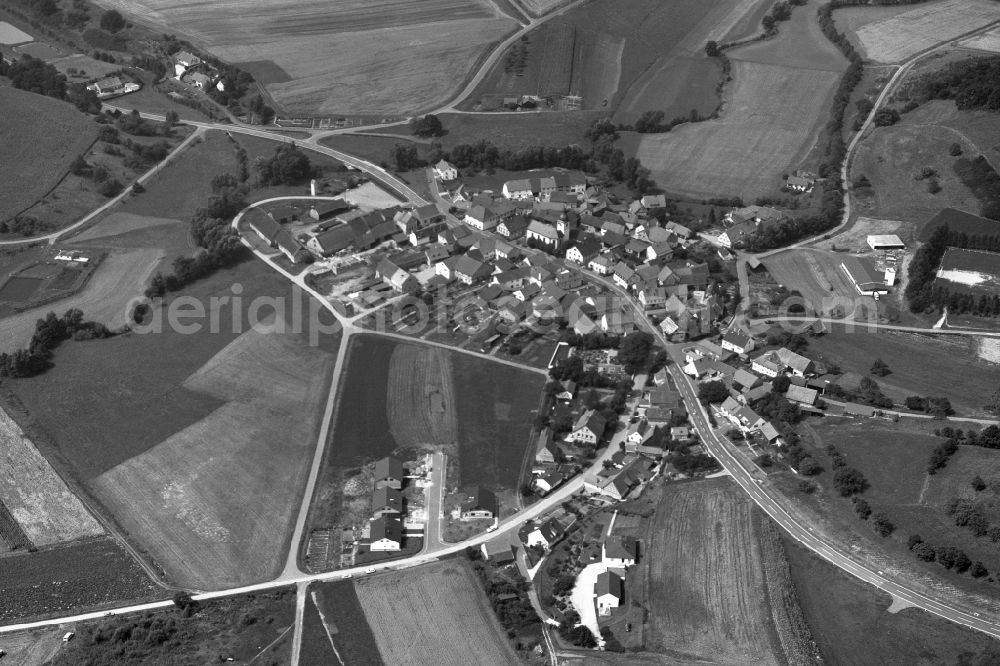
270	645
326	627
57	184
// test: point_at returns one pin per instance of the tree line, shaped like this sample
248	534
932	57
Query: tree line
49	333
37	76
973	84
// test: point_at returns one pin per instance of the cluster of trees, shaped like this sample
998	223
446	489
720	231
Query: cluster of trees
984	181
107	185
776	407
919	291
210	229
712	392
949	557
49	333
935	406
781	11
988	438
885	117
426	126
972	83
592	340
25	225
849	481
288	166
868	393
879	521
634	350
509	600
880	368
689	463
37	76
572	369
654	122
134	124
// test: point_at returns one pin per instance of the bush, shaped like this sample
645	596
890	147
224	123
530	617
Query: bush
955	150
977	483
882	525
112	21
862	508
924	551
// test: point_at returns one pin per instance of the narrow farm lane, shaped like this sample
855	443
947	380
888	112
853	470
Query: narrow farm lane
300	608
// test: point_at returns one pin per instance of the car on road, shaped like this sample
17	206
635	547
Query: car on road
348	575
370	570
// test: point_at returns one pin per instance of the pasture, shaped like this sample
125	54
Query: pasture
850	625
39	138
919	365
899	36
707	589
219	514
331	57
772	114
34	494
400	605
343	617
121	277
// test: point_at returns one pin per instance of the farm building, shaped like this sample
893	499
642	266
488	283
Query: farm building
548	451
972	268
386	533
799	184
498	552
481	503
864	276
324	210
609	591
389	473
885	242
801	395
619	551
589	427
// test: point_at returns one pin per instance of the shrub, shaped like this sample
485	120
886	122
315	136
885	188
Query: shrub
862	508
955	150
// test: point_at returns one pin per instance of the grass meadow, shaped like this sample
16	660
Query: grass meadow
343	616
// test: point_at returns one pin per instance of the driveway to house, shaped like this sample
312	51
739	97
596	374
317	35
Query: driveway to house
583	597
434	494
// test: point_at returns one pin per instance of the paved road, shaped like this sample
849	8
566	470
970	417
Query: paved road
752	482
435	503
871	326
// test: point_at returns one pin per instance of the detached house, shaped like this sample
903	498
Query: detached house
469	270
389	473
589	428
767	364
548	451
480	503
585	251
513	227
619	551
738	342
386	500
609	591
445	171
601	264
386	533
400	280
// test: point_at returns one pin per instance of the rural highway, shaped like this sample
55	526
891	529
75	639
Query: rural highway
753	483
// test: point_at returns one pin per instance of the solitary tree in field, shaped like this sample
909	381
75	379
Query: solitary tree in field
112	21
978	484
427	126
712	48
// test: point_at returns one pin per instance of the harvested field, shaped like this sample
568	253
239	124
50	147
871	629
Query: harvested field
896	38
34	494
54	581
346	49
399	606
815	274
33	648
10	34
988	41
769	122
38	139
919	365
344	618
421	400
850	624
220	517
119	223
120	278
707	591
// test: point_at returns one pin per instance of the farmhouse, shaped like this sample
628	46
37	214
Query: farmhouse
737	235
469	270
801	395
583	252
183	61
389	473
608	591
498	552
885	242
400	280
386	533
548	451
513	228
589	428
799	184
445	171
324	210
480	503
767	364
386	500
863	275
617	551
738	342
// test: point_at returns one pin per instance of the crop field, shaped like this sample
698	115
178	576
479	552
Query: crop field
38	140
33	648
540	7
706	591
850	624
496	404
83	574
421	400
896	38
342	615
331	57
35	495
815	274
919	365
119	278
220	517
769	121
400	605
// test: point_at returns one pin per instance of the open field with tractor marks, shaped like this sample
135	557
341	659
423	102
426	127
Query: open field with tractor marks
918	365
772	111
58	580
850	625
201	449
708	593
343	617
35	496
317	61
894	34
421	401
816	274
215	502
624	57
39	138
399	606
33	648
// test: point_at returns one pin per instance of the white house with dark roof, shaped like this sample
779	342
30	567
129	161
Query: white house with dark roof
799	365
767	364
737	341
589	428
445	171
620	551
389	472
608	592
385	533
543	233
